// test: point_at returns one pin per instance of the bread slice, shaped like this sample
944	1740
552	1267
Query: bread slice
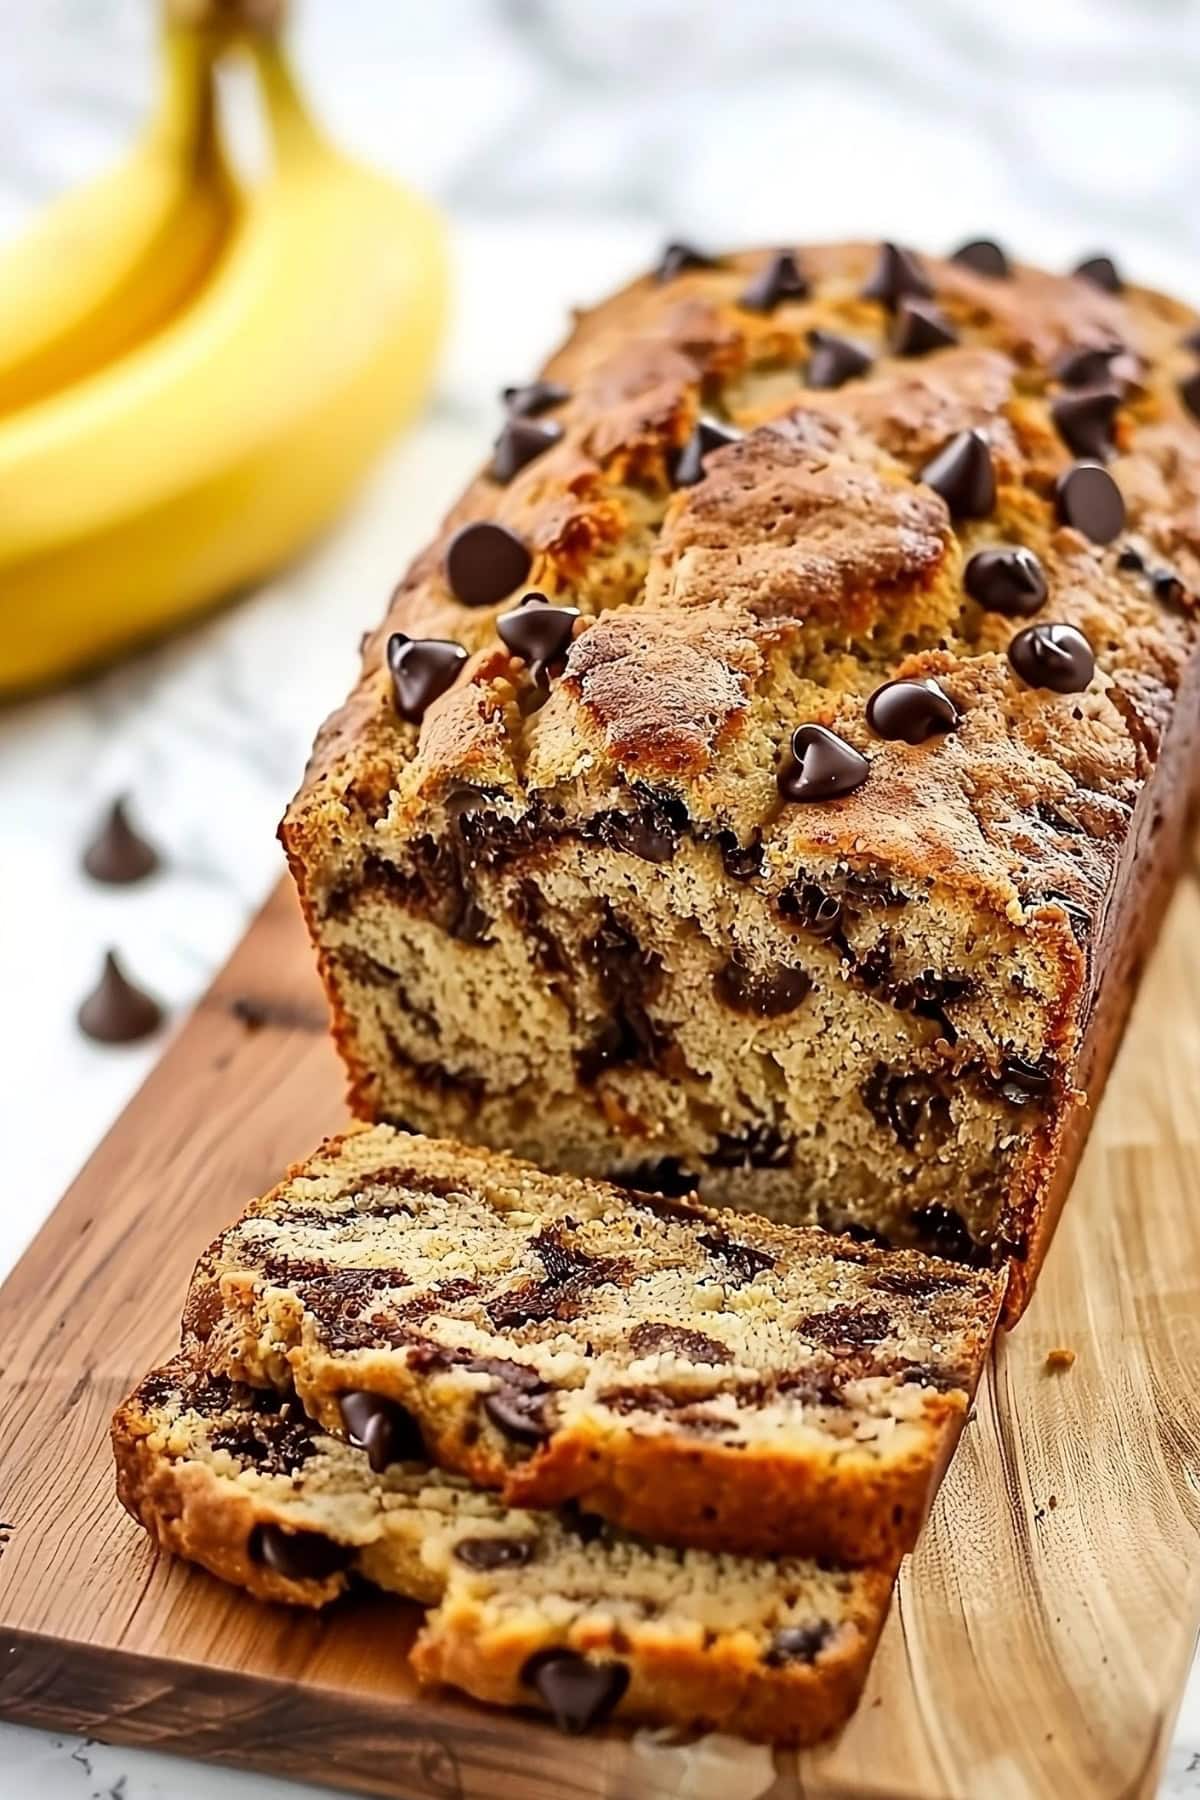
530	1609
698	1377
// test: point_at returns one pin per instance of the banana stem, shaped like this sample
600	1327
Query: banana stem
297	136
185	119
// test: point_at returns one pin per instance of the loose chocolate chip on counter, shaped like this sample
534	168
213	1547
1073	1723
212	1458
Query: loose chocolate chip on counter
1101	271
768	993
780	278
678	257
519	1413
897	276
298	1555
530	398
422	669
710	434
488	1553
1087	364
1189	393
1022	1081
485	562
539	632
1084	421
911	710
919	328
798	1643
835	360
963	475
383	1428
119	855
1052	656
578	1692
984	257
520	441
117	1012
1088	498
1008	580
821	766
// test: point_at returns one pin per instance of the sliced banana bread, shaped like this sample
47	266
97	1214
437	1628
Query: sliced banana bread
698	1377
807	844
530	1609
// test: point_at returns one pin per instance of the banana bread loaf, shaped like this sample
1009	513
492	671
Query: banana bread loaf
771	774
529	1609
697	1377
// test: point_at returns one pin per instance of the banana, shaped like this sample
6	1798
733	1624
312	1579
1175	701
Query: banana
212	454
105	267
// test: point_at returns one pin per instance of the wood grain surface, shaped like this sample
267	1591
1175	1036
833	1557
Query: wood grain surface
1042	1633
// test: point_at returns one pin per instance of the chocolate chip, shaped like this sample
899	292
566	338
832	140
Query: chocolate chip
422	669
488	1553
911	710
678	257
520	1414
1101	271
798	1643
1022	1081
520	441
897	275
710	434
815	911
383	1428
1087	364
485	562
780	278
1131	561
117	1012
578	1691
963	475
118	854
538	631
1168	589
835	360
1189	393
984	257
760	1147
742	862
821	766
1052	656
1088	498
1008	580
1084	421
919	328
298	1555
769	993
534	397
943	1231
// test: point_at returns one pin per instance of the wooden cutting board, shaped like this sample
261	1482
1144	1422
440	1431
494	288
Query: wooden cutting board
1042	1633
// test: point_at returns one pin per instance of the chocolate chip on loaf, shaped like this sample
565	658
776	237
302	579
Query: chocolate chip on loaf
780	278
897	276
835	360
984	257
520	442
1052	656
919	328
533	397
422	670
485	562
710	434
678	257
912	710
1008	579
1089	499
821	766
963	475
1101	272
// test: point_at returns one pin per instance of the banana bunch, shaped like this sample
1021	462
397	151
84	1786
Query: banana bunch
195	374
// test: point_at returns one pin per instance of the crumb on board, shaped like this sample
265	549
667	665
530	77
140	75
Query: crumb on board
1059	1360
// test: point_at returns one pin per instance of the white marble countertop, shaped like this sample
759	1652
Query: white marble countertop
566	142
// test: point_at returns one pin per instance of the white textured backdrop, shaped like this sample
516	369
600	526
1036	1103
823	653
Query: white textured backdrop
567	139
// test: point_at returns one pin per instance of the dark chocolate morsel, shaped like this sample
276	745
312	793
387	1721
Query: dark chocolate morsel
768	993
422	669
911	710
1084	419
821	766
835	360
678	257
538	631
710	434
1052	656
1088	498
897	276
520	441
485	562
1168	589
1087	364
530	398
984	257
963	475
780	278
919	328
298	1555
118	854
520	1414
1022	1081
798	1643
1008	580
577	1691
488	1553
1189	393
1101	271
383	1428
1131	561
117	1012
